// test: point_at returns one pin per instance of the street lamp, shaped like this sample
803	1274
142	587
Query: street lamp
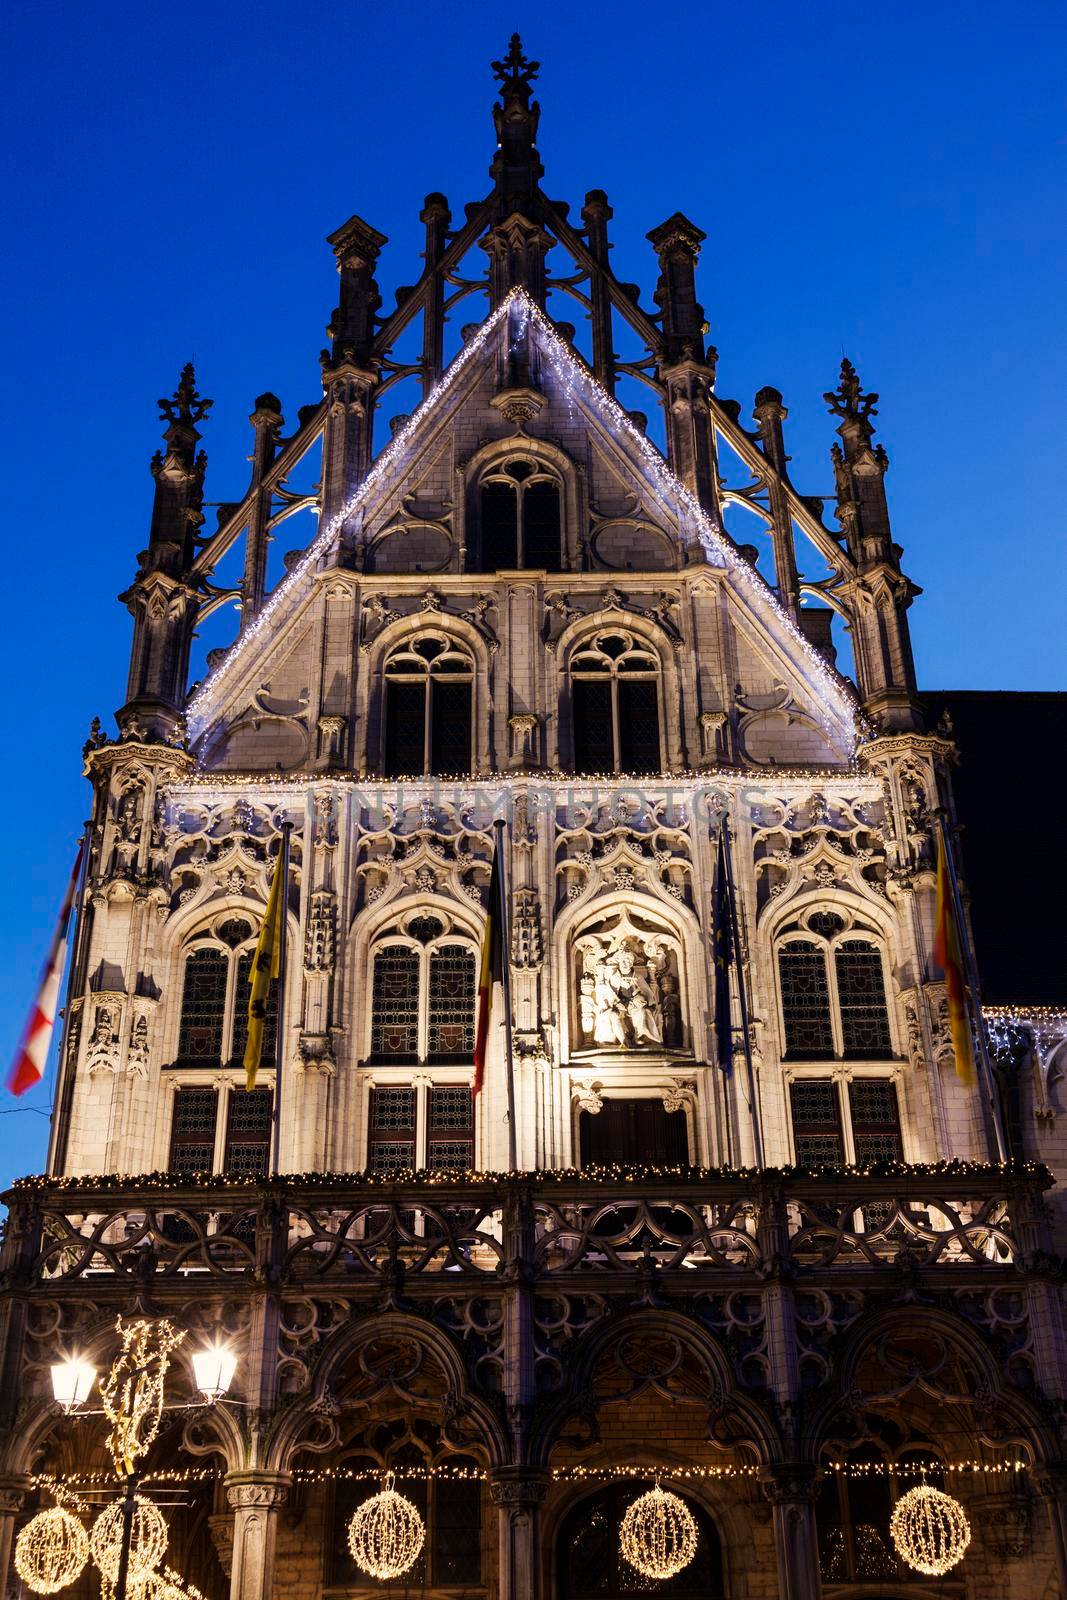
132	1395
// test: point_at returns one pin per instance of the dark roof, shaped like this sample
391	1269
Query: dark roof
1011	856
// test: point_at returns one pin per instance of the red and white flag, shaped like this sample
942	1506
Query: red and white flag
33	1051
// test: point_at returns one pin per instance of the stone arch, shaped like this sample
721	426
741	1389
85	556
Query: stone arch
999	1412
736	1419
311	1422
656	639
573	506
730	1529
407	628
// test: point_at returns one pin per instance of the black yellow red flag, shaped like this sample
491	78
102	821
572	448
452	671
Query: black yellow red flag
491	970
266	968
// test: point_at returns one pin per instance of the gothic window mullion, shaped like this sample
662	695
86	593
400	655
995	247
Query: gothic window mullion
230	1014
616	742
424	1007
520	526
427	724
835	1002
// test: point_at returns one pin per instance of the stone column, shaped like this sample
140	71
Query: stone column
256	1498
518	1494
12	1494
1050	1481
791	1492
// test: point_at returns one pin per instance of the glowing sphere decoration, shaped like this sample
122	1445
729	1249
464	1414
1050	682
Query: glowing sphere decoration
148	1541
386	1533
659	1534
51	1551
930	1530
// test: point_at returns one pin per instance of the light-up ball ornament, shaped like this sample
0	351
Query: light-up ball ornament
658	1535
386	1533
930	1530
51	1551
148	1540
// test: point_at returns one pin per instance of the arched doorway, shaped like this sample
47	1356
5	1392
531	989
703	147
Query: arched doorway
590	1565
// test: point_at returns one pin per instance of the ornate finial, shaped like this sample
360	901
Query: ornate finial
185	405
515	73
848	400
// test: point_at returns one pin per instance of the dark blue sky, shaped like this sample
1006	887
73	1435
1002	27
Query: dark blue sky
886	181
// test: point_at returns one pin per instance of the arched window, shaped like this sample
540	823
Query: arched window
832	982
423	994
521	517
615	705
451	1509
213	1026
590	1565
853	1512
429	684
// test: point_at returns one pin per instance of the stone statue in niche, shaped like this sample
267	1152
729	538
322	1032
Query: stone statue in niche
101	1052
628	992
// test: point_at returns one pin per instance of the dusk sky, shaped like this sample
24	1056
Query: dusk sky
885	182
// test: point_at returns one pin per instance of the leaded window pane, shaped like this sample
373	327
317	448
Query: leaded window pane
500	527
861	992
192	1136
405	729
249	1127
395	1005
451	1108
450	729
541	527
391	1155
456	1531
875	1119
816	1122
452	996
805	1001
393	1109
242	995
639	726
594	750
203	1006
449	1155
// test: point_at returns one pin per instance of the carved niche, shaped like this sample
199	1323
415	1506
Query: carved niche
627	987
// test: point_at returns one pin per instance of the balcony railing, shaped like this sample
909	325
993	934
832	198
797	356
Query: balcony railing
733	1228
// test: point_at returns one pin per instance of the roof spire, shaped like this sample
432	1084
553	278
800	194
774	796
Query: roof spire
516	166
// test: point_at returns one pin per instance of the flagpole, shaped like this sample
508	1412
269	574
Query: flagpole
58	1115
975	1018
505	973
757	1133
279	1043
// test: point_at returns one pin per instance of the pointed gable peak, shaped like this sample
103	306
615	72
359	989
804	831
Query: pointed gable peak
518	317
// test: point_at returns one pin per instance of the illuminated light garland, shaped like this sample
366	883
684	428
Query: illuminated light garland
132	1392
168	1585
658	1535
386	1534
51	1551
979	1171
148	1540
574	1473
930	1530
572	373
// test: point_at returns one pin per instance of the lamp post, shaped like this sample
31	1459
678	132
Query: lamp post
133	1403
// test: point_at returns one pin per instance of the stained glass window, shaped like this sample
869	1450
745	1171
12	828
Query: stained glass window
452	997
392	1129
861	995
203	1007
240	1014
192	1134
875	1119
248	1133
395	1005
450	1147
816	1122
805	1001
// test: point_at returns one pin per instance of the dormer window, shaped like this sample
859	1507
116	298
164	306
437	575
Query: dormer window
521	518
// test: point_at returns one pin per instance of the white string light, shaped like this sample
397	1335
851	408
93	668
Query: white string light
51	1551
930	1530
843	725
386	1534
148	1540
658	1535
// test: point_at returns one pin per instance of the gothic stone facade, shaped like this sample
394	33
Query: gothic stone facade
519	608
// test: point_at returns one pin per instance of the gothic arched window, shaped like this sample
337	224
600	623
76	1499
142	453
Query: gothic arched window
591	1566
521	522
423	994
213	1025
833	992
451	1508
429	684
614	680
853	1513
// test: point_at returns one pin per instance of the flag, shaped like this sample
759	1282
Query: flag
948	953
266	966
491	969
723	947
33	1050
